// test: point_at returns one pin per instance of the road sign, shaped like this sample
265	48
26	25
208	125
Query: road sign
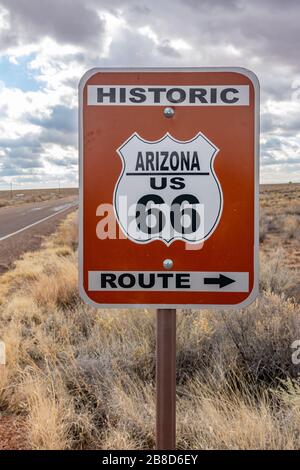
169	187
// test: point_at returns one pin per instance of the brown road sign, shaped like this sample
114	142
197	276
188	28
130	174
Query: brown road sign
169	187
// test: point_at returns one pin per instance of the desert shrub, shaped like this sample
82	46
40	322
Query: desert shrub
294	208
254	344
68	233
236	418
263	334
263	226
291	227
275	276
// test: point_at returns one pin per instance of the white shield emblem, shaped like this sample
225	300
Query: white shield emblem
168	189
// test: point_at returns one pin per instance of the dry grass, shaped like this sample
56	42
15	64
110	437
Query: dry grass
84	378
292	226
231	419
280	223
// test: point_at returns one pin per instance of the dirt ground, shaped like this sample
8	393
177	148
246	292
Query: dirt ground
12	432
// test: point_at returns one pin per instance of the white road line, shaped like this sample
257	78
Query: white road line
58	208
35	223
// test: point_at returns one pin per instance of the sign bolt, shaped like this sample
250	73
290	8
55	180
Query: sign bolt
169	112
168	264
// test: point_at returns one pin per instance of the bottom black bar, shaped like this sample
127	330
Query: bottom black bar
137	459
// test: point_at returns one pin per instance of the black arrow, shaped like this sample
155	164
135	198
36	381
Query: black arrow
221	280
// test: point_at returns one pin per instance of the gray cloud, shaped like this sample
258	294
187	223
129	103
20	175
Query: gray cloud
166	49
23	155
65	162
53	136
20	155
62	119
269	161
12	166
70	21
60	127
281	125
262	27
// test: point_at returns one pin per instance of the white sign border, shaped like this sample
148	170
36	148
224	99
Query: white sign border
240	70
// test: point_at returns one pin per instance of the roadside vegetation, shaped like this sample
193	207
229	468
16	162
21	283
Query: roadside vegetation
82	378
23	196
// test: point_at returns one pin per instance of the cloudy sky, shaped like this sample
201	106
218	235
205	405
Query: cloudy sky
46	46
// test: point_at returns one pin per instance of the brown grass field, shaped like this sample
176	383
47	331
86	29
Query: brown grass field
21	196
81	378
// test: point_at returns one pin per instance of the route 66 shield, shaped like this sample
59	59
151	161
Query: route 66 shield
168	189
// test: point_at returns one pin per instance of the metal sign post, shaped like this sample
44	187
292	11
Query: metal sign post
166	379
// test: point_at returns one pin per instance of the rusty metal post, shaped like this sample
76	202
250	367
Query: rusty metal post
166	379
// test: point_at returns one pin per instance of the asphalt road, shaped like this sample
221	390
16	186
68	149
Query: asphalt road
23	227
